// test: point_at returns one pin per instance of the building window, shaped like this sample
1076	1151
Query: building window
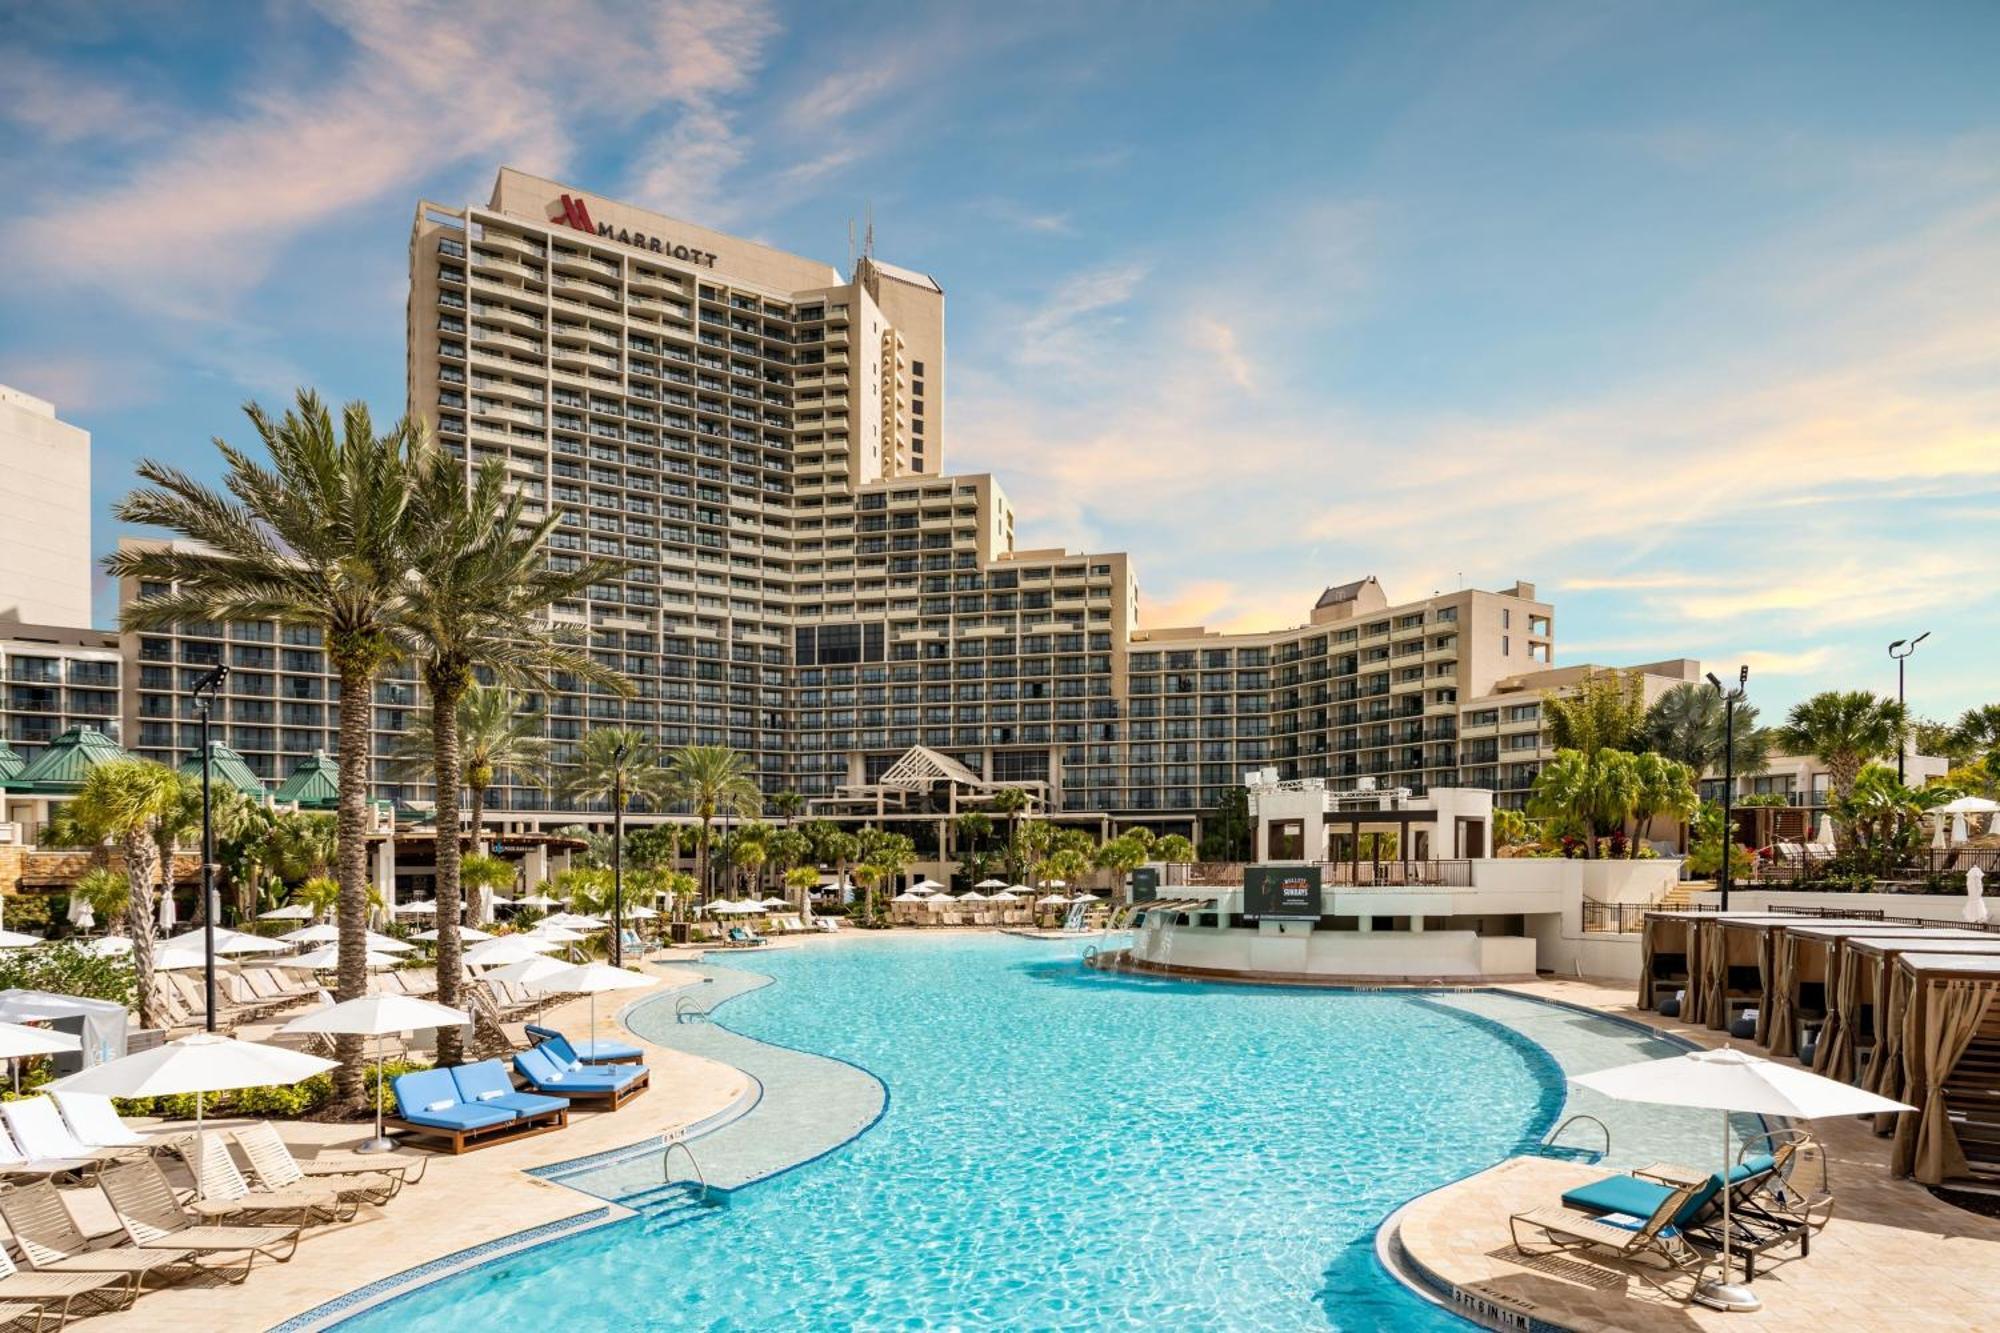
916	370
1503	646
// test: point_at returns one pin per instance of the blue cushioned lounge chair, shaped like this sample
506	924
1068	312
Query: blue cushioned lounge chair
428	1103
613	1085
598	1052
486	1084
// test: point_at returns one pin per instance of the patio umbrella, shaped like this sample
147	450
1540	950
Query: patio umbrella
19	1039
1823	836
14	939
1052	900
168	916
972	896
1086	898
1957	829
1729	1080
226	942
428	907
169	959
81	914
778	903
503	949
641	913
328	958
991	883
330	934
572	920
531	973
202	1063
591	978
926	885
1005	896
1970	805
535	900
1974	910
376	1016
472	933
910	898
289	912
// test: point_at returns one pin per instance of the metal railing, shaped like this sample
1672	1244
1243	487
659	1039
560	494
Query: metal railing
1601	918
1397	874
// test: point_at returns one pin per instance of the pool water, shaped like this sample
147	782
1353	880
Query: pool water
1061	1149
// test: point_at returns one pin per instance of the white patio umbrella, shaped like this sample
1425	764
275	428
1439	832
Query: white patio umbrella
376	1016
531	973
14	939
776	903
168	959
926	885
81	914
572	920
226	942
1005	896
19	1039
168	916
991	883
972	896
470	933
641	913
1729	1080
427	907
534	900
1937	832
1823	835
1958	829
503	949
1052	900
289	912
592	978
330	934
907	897
1970	805
1086	898
202	1063
327	958
1974	910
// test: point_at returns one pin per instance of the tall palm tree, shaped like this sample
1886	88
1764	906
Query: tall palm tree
317	536
786	805
122	803
479	601
712	779
615	764
1846	729
1687	723
1011	801
496	738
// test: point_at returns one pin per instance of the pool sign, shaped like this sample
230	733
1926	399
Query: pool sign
1145	884
1281	893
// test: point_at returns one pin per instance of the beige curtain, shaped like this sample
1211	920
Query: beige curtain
1715	1004
1696	1007
1766	966
1646	936
1782	1021
1892	991
1926	1145
1835	1057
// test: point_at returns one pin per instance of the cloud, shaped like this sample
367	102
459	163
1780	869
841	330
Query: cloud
1075	314
1219	340
420	90
840	94
62	110
1804	662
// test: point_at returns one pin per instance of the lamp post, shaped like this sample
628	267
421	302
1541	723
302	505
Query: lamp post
618	855
1908	646
1730	698
208	683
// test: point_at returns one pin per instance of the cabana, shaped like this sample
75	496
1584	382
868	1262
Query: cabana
1803	955
1852	989
1736	966
1666	959
101	1025
1871	999
1951	1034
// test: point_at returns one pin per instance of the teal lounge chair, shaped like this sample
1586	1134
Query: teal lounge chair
1651	1240
486	1084
598	1052
428	1104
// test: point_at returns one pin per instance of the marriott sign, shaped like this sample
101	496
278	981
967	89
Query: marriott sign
576	213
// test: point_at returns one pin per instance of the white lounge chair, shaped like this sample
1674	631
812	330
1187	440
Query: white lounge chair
96	1124
39	1130
14	1162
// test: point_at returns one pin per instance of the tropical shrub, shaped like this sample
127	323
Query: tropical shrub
67	969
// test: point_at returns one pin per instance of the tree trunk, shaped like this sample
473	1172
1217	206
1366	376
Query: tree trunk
445	688
701	861
357	685
475	903
139	919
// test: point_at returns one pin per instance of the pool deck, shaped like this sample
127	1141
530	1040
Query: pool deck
1892	1257
463	1202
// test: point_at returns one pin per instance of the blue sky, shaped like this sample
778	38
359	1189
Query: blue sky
1688	313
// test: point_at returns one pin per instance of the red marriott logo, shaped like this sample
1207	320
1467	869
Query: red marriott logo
575	213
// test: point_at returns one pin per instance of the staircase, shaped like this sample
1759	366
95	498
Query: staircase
1679	898
1972	1099
676	1204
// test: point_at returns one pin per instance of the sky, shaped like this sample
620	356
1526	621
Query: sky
1687	313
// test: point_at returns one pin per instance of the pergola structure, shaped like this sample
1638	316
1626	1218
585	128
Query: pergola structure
924	783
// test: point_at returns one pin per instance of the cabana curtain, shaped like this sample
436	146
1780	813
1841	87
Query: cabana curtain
1926	1145
1783	1022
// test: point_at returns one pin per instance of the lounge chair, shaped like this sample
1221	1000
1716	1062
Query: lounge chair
599	1051
428	1103
14	1163
614	1085
1754	1226
50	1242
95	1123
375	1177
154	1219
40	1132
55	1293
1637	1237
829	924
487	1084
224	1193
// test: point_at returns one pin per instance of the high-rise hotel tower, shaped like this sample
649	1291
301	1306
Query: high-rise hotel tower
762	442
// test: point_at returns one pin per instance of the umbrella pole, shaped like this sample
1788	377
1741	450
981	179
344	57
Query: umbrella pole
381	1142
1727	1294
200	1148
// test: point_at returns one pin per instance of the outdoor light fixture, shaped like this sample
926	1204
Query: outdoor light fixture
1730	698
1908	646
207	684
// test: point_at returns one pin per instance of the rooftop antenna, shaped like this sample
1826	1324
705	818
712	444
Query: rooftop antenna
868	245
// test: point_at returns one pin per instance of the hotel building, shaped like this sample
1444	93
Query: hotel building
762	441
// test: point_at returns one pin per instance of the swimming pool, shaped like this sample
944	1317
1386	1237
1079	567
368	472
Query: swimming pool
1062	1149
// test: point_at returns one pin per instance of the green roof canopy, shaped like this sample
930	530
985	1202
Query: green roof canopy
229	768
61	769
314	784
10	762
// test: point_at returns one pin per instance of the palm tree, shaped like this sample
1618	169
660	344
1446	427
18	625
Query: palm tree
482	876
883	857
712	780
615	764
1585	795
1659	786
480	602
1687	723
1174	850
802	880
834	846
122	803
318	536
1011	801
786	804
1846	729
495	739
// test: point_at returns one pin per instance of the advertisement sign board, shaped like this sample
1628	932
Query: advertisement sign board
1281	893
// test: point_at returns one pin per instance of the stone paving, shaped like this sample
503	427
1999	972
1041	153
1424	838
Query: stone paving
1893	1257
